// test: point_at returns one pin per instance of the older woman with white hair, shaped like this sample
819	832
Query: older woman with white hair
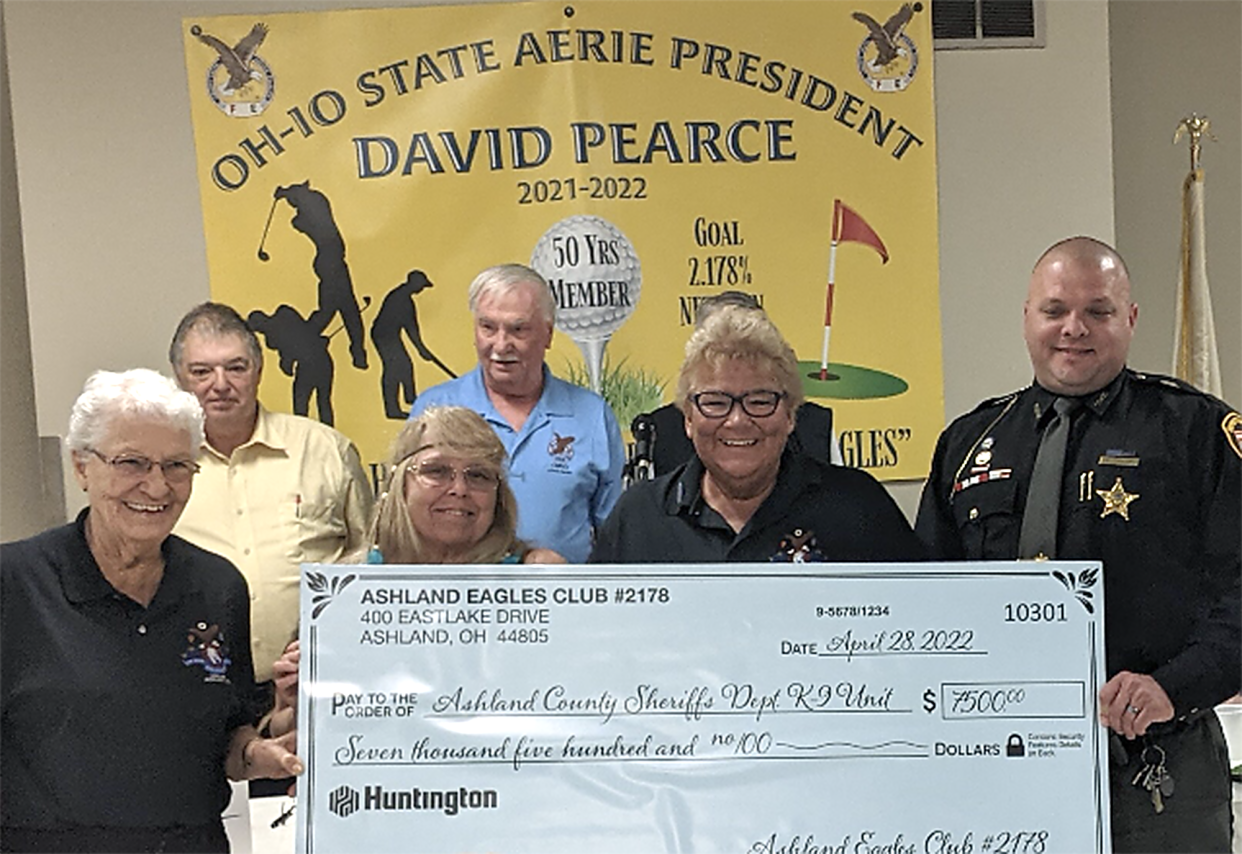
124	697
743	496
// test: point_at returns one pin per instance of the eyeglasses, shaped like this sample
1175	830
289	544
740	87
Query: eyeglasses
439	474
136	468
718	404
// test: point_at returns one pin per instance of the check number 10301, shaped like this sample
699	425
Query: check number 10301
1035	612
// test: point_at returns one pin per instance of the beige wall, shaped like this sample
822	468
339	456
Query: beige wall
1171	58
1013	179
19	473
25	505
113	229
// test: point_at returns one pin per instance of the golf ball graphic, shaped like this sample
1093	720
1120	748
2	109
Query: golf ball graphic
595	278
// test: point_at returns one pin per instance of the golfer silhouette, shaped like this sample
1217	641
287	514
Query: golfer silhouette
303	356
336	288
398	314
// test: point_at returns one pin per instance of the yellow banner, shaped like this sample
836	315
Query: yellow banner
359	167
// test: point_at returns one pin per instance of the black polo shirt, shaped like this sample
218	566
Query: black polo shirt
816	512
113	715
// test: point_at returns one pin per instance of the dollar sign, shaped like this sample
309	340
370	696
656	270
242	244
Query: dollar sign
929	701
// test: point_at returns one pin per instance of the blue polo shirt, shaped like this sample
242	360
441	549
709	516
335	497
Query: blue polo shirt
564	464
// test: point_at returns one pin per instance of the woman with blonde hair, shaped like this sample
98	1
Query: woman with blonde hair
447	500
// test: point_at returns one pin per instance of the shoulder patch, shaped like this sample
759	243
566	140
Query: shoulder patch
1232	425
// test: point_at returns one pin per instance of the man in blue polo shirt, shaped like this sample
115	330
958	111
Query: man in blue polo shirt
563	442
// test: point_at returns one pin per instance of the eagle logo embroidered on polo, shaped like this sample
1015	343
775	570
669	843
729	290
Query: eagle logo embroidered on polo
561	446
560	452
1117	500
1232	425
207	649
798	546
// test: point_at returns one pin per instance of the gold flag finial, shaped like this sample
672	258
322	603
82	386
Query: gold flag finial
1197	127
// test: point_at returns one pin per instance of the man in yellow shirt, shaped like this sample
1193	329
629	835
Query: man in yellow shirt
275	490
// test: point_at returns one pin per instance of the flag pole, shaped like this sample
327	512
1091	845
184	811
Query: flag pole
847	227
1196	127
832	276
1195	356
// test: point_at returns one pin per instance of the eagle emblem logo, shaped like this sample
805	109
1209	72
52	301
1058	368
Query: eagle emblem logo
798	546
561	446
206	648
239	82
887	57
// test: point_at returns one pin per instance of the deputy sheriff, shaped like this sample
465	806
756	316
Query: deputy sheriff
1095	461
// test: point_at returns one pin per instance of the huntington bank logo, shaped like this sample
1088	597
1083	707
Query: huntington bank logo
344	801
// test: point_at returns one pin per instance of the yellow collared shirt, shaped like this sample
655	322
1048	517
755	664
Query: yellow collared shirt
295	493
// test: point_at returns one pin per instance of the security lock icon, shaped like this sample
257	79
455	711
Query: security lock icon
1015	747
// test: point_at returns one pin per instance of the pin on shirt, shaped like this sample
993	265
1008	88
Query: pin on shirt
981	461
1118	457
1117	500
979	472
982	477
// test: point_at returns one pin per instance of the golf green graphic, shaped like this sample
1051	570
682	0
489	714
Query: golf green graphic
838	380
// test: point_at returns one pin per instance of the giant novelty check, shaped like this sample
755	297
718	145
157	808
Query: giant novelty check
755	709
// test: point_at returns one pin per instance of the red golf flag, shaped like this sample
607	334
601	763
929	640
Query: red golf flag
849	227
